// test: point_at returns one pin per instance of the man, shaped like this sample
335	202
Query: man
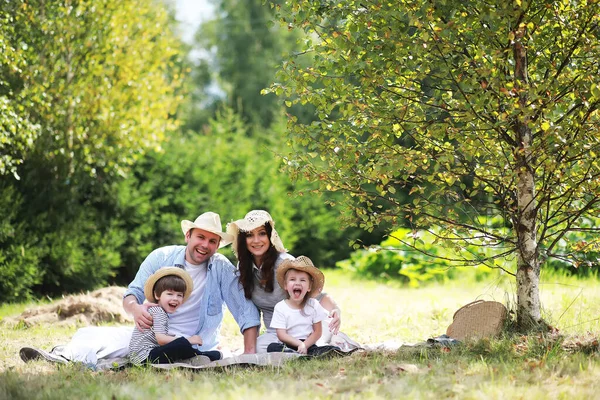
215	283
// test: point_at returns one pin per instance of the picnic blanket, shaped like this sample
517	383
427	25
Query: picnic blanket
262	359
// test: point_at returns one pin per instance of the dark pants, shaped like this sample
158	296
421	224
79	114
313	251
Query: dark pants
178	349
313	350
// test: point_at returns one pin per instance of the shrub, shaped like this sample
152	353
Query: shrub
19	253
397	261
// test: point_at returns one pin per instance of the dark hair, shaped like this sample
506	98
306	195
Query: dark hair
245	261
307	295
169	282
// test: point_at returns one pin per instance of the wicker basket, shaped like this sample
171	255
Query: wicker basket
477	320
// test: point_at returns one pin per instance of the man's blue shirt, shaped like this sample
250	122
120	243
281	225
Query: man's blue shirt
222	286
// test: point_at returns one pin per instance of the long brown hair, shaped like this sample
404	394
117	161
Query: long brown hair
246	260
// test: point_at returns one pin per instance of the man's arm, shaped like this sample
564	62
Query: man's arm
133	300
141	316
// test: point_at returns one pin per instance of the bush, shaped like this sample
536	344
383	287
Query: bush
393	260
227	171
19	253
581	248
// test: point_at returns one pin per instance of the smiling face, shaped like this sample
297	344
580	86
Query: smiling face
201	245
169	300
297	284
258	243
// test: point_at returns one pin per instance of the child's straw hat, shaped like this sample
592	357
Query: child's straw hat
162	272
304	264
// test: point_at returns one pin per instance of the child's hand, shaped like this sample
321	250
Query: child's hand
302	348
195	340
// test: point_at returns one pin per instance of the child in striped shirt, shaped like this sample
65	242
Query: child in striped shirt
168	287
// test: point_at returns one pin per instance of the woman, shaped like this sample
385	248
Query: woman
259	251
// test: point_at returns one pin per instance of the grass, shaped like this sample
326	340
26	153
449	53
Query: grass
528	367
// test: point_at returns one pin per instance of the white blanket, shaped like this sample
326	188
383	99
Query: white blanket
92	343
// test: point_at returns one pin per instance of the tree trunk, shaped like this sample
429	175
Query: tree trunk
528	263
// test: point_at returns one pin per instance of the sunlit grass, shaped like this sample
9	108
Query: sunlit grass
512	367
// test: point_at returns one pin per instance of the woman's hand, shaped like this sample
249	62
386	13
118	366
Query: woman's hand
336	321
334	313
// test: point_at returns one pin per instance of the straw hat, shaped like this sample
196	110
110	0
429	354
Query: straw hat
477	320
251	221
304	264
162	272
210	222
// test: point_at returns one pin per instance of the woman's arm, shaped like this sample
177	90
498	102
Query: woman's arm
334	312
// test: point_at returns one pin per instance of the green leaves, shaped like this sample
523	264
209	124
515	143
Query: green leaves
441	114
86	88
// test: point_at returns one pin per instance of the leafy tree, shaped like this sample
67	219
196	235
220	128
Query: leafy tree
100	82
246	48
17	130
104	68
479	108
227	171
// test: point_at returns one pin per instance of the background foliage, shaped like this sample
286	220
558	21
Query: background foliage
103	152
477	109
90	87
96	169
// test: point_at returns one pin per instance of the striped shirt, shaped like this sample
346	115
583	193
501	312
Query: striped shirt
222	287
142	342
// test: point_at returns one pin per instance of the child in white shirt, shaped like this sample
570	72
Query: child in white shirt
297	319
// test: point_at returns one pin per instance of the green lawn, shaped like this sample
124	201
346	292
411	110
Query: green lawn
527	367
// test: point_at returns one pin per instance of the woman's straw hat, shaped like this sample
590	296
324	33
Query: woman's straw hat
162	272
210	222
304	264
251	221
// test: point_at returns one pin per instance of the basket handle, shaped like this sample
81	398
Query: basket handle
467	305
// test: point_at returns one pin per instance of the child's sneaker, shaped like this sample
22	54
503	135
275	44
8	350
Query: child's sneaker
198	361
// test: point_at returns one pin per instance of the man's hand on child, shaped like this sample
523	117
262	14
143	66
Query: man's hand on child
141	316
195	340
302	348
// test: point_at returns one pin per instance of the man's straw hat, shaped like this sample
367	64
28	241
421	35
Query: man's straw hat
210	222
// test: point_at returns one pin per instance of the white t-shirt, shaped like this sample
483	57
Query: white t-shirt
184	321
297	325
